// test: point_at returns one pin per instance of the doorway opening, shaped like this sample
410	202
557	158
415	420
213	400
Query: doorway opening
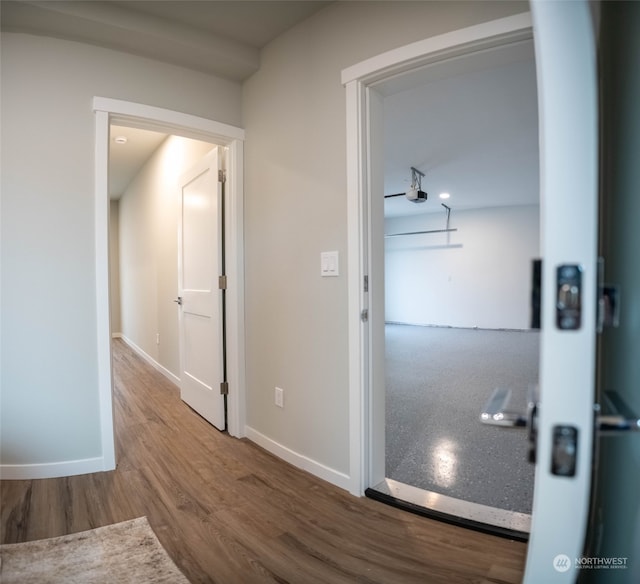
457	269
166	218
109	112
566	77
422	235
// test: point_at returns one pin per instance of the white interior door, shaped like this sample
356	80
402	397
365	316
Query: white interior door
567	93
199	266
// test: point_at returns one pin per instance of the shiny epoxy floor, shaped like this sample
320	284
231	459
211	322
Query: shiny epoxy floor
438	379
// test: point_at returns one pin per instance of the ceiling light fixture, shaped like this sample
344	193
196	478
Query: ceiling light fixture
120	139
444	195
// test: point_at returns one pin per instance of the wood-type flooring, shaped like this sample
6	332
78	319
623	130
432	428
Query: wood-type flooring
229	512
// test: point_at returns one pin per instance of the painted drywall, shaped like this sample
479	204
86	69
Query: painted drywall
114	266
50	409
149	216
296	207
477	276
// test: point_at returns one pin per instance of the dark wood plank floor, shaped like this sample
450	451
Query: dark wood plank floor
228	512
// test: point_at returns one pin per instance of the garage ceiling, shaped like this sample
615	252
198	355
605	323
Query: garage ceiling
471	125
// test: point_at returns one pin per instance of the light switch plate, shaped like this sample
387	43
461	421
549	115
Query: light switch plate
329	263
279	397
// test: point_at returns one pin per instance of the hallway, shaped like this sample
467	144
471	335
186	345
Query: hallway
229	512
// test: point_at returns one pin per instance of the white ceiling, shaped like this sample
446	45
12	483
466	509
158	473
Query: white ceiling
125	160
253	22
218	37
470	123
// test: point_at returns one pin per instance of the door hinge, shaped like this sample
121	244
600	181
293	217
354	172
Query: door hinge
364	315
224	388
222	282
366	284
222	176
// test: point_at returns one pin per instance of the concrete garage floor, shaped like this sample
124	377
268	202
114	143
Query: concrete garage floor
437	381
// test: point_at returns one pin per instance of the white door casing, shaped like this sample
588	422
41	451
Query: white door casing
565	55
200	298
108	111
365	223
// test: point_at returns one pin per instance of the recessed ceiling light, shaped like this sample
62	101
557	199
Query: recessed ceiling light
120	139
444	195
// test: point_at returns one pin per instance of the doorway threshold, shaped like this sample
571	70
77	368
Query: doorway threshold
501	522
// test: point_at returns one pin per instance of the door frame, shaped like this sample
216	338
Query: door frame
113	111
364	113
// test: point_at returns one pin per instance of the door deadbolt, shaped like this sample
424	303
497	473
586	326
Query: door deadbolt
569	297
564	451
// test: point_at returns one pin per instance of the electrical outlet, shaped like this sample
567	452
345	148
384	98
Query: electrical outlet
279	397
157	338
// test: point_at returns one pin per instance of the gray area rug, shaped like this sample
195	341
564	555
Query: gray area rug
437	381
124	553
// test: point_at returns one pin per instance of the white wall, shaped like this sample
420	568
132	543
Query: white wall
114	266
50	410
295	187
149	215
476	276
296	207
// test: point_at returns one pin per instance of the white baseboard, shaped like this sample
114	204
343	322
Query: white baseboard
170	376
465	328
51	470
116	335
318	469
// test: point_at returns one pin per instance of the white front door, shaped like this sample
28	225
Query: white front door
201	309
567	95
